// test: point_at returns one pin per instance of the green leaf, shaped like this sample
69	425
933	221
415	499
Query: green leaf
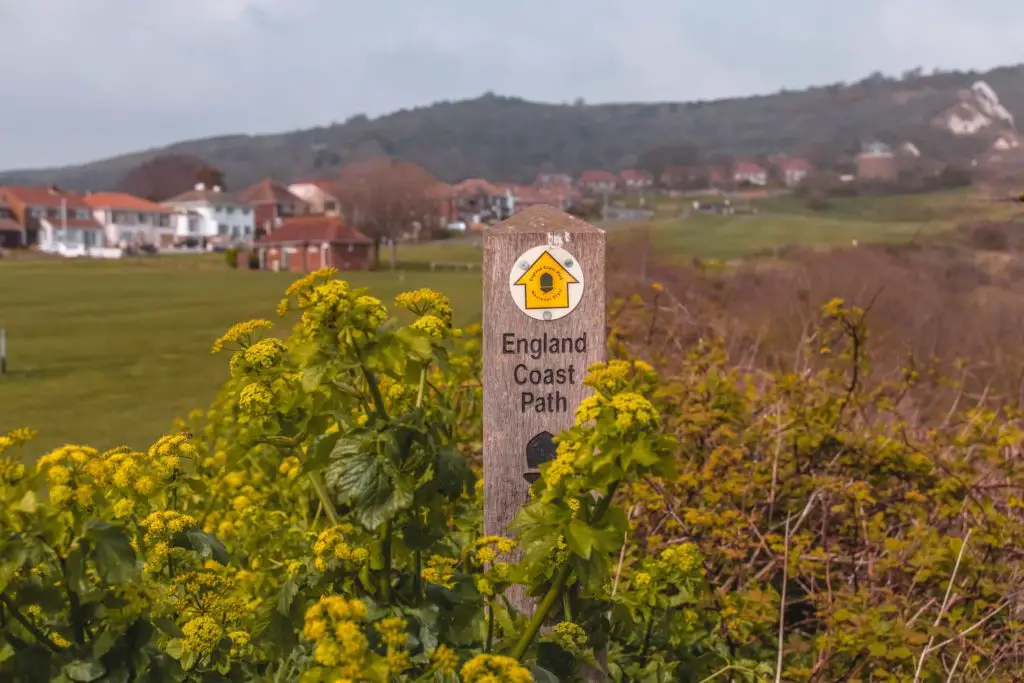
372	485
416	345
580	538
112	552
206	545
312	376
103	643
289	589
85	671
877	649
452	474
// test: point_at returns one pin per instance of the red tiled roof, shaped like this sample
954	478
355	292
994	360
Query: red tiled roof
747	168
206	195
597	177
45	196
315	229
474	185
442	191
268	192
128	202
326	184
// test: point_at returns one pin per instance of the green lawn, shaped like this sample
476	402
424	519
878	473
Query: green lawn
111	352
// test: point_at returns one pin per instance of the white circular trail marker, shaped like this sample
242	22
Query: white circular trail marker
546	282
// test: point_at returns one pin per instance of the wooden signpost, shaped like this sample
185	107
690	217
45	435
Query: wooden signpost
544	325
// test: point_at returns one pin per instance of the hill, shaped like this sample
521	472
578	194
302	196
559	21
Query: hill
507	138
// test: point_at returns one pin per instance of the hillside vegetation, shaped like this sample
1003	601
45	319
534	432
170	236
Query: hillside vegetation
506	138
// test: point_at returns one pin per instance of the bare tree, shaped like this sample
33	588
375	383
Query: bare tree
384	198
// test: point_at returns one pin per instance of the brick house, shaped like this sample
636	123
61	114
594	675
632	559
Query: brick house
271	203
598	181
877	162
305	243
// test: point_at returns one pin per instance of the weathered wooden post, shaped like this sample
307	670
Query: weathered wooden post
544	325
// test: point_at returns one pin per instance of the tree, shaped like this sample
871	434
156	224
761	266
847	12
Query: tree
162	177
657	159
211	177
383	198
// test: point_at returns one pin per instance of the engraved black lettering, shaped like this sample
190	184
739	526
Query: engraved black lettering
508	341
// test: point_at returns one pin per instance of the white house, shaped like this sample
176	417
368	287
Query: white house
131	221
318	194
212	214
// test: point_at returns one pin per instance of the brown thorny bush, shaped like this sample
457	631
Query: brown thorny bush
320	521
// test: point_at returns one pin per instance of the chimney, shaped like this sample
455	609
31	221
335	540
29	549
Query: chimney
216	188
200	186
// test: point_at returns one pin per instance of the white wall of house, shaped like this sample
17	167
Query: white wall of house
229	221
133	227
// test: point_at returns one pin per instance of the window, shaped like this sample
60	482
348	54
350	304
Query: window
235	231
82	214
248	230
164	220
246	210
54	213
229	210
330	206
222	229
144	219
38	212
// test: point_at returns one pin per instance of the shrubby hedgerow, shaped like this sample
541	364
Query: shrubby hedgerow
321	522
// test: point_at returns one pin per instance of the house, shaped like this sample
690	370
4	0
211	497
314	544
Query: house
479	201
446	212
749	173
212	214
553	180
877	162
305	243
52	219
11	234
131	221
271	203
794	170
685	178
632	179
319	194
598	181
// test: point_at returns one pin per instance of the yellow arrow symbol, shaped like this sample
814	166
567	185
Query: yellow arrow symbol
546	283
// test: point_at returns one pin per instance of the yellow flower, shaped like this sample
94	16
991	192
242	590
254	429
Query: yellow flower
684	557
331	624
59	640
443	660
241	333
632	410
642	579
657	287
144	486
60	494
264	354
256	399
432	326
201	635
484	587
427	301
440	571
571	637
234	480
495	669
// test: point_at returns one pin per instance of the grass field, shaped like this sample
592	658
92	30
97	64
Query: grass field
111	352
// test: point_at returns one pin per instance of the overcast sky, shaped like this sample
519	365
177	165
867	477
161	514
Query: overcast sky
85	79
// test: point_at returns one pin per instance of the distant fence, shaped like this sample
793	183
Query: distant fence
455	265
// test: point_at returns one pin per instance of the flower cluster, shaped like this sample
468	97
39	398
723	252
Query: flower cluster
493	668
242	333
572	638
427	302
160	530
333	624
440	570
394	636
331	548
71	473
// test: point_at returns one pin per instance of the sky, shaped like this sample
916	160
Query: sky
87	79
